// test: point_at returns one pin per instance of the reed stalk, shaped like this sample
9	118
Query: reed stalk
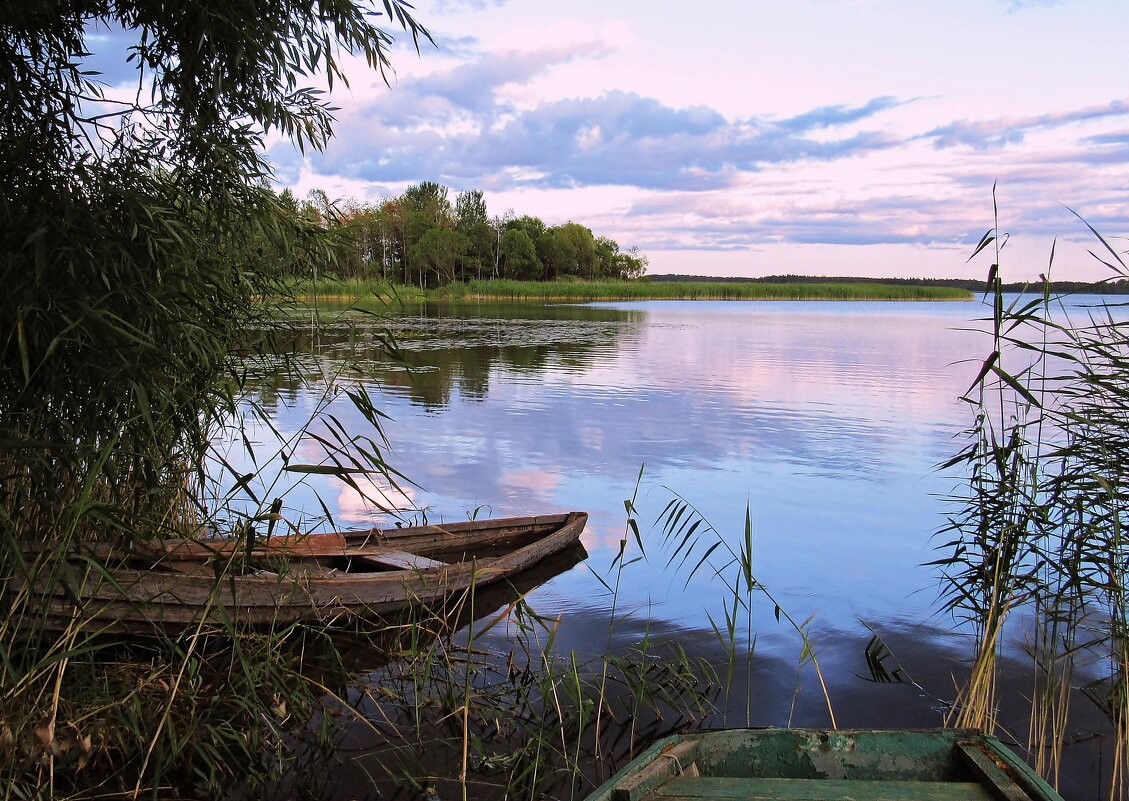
692	540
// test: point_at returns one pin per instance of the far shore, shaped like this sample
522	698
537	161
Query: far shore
590	291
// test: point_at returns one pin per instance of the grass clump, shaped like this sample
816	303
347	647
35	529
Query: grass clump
474	703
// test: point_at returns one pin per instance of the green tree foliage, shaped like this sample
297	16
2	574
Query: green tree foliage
428	201
440	251
533	227
410	239
613	263
473	222
578	249
470	209
518	256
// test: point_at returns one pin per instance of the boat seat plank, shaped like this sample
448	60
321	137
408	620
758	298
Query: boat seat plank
674	761
398	560
992	771
691	789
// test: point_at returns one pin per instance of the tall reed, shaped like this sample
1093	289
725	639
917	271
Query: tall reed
687	290
493	708
1036	536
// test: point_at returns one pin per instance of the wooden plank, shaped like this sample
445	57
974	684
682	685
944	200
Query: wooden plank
399	560
1025	775
819	790
673	760
992	770
306	545
310	546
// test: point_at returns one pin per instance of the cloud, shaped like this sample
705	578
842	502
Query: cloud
986	134
470	88
830	116
682	176
442	7
724	221
460	126
456	46
1014	6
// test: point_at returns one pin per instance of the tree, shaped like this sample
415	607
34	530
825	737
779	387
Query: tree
440	250
578	248
533	226
498	224
611	262
470	209
131	232
518	256
632	264
429	200
472	220
568	249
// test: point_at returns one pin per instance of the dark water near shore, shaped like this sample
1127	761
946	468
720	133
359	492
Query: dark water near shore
825	420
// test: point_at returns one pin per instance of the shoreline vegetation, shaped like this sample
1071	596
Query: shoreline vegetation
611	290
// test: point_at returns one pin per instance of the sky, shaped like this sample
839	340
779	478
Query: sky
819	137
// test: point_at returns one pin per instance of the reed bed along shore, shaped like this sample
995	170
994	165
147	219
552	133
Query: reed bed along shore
1034	548
583	291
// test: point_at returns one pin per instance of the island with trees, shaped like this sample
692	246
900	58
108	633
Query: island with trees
423	239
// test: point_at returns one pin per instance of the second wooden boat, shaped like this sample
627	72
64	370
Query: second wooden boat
322	577
821	765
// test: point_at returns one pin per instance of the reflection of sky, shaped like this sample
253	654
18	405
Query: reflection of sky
826	418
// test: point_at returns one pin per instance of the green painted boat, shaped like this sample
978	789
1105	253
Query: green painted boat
827	765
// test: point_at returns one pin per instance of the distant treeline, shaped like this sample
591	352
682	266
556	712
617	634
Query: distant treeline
421	238
1118	287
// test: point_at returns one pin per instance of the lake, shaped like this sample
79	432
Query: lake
824	420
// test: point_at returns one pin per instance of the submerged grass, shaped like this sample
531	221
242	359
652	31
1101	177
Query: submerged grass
581	291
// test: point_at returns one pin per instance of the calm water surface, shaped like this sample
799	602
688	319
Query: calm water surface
825	419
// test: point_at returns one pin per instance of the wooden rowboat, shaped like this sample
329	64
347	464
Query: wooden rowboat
317	577
820	765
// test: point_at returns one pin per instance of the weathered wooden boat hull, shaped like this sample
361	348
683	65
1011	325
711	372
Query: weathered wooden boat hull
321	577
807	764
